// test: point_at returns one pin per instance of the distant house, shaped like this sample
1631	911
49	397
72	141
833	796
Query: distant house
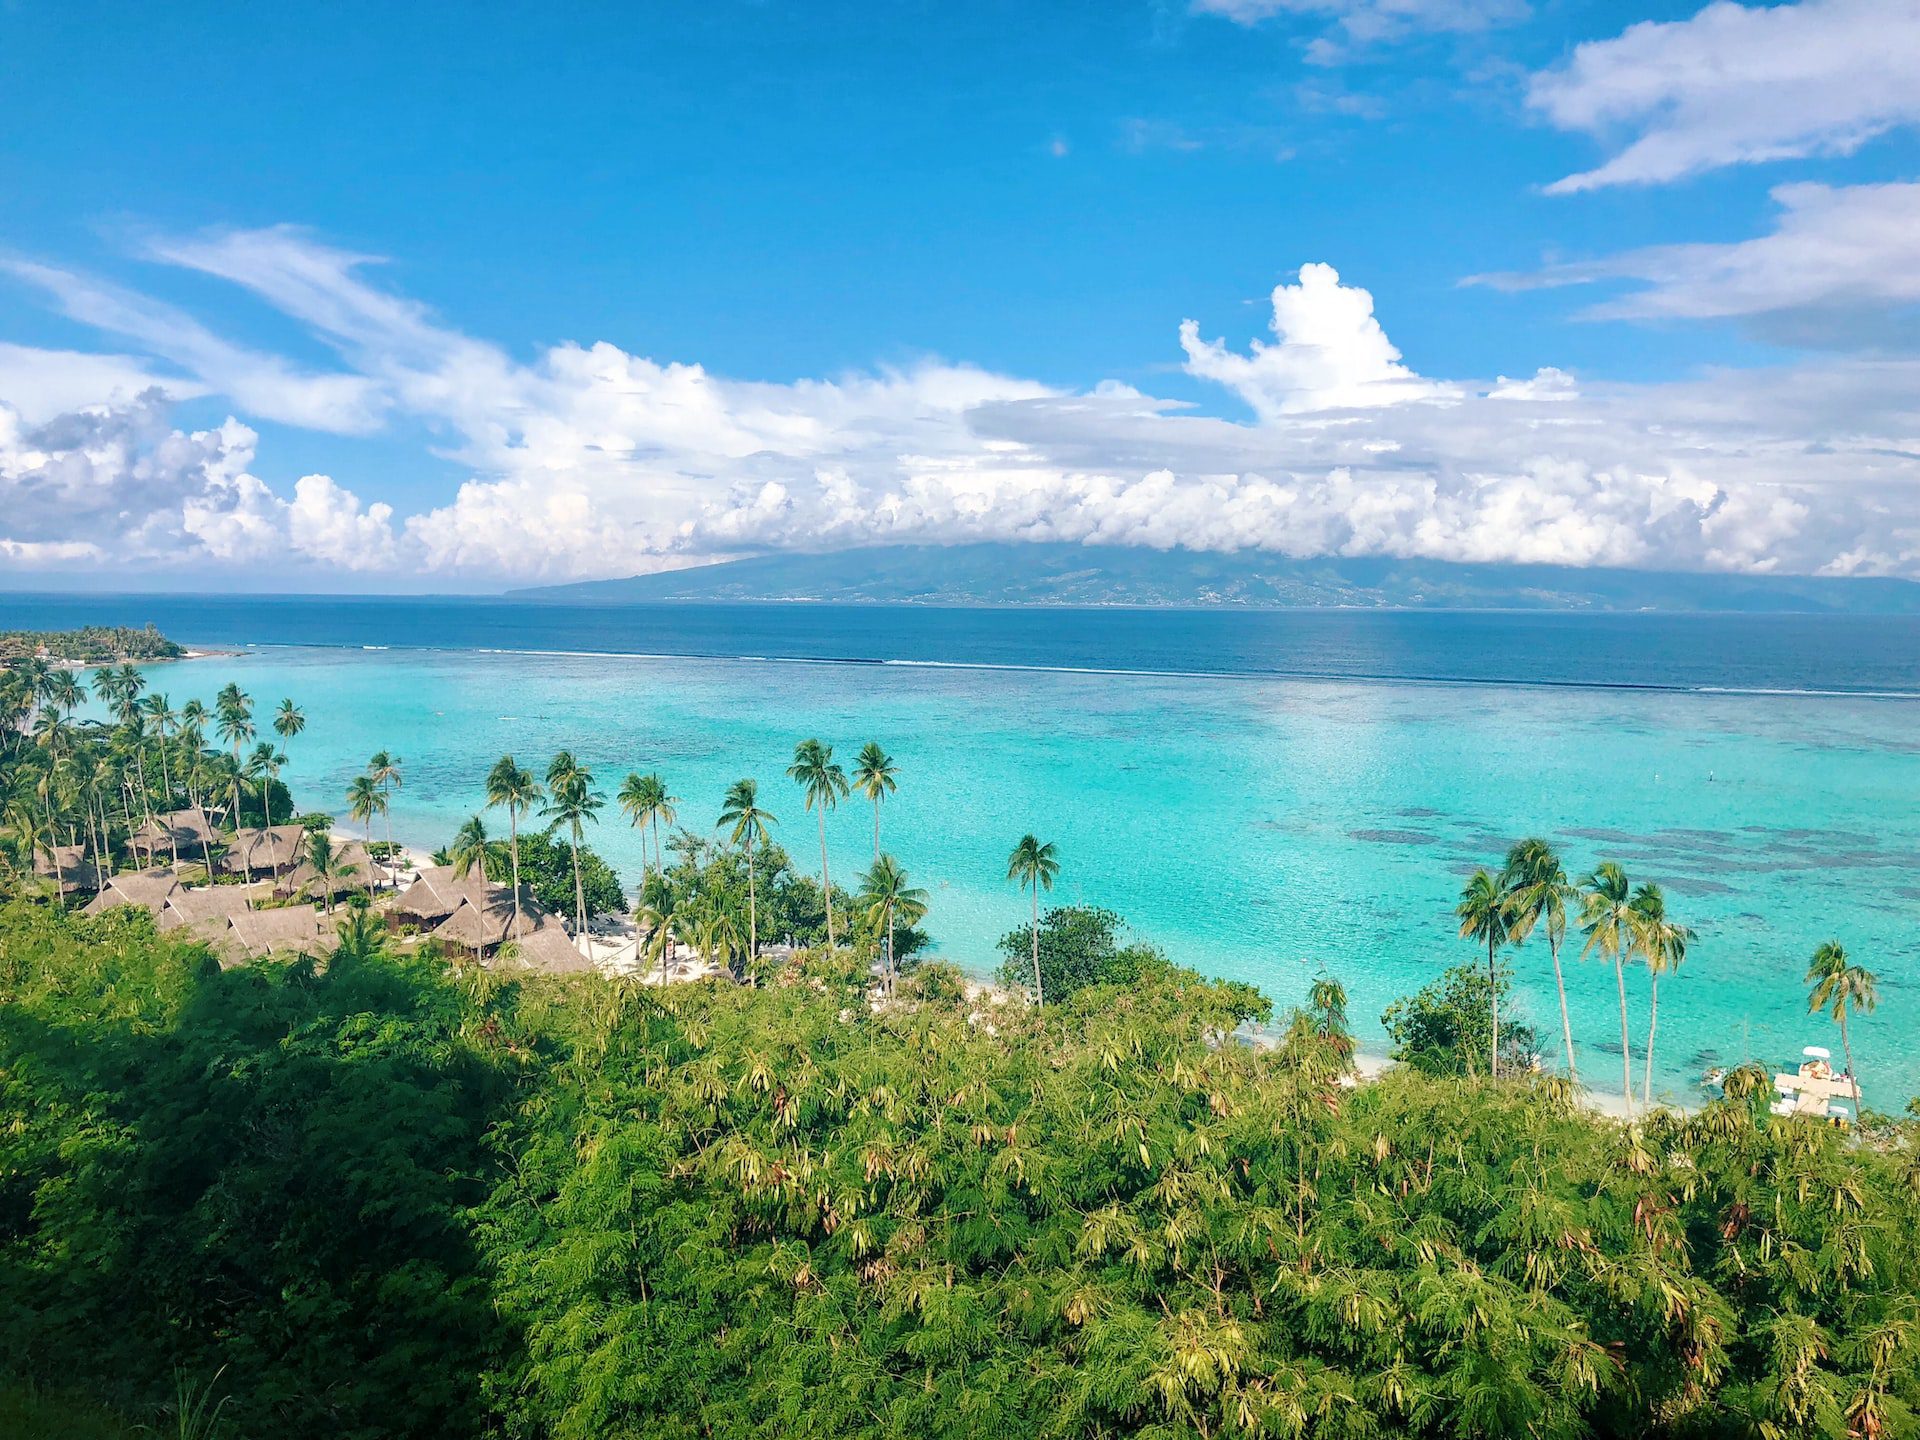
69	865
549	949
436	892
149	889
267	851
205	913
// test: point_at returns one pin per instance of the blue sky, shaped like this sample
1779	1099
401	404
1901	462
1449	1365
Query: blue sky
788	196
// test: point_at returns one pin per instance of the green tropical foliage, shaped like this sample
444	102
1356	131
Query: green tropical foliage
1447	1026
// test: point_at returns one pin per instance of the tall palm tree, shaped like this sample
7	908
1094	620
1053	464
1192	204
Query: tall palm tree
825	785
1662	943
1842	988
1537	892
234	709
741	810
1606	916
1484	916
514	788
288	720
160	715
365	799
193	738
657	809
264	765
875	776
324	859
887	897
384	770
471	849
573	801
1033	866
639	797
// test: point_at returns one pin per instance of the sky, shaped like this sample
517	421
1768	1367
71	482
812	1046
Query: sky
454	298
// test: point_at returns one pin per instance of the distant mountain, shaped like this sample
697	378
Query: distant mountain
1065	574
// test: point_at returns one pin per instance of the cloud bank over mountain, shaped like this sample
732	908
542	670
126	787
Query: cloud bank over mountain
589	460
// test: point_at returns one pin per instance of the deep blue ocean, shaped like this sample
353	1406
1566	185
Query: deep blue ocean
1265	794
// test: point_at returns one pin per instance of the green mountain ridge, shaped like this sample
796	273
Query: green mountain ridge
1082	575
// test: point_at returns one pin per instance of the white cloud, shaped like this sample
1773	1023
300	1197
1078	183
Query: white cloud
1738	85
40	384
1332	354
1839	249
588	460
1367	20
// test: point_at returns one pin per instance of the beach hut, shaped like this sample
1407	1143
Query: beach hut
69	866
205	912
296	929
355	873
268	851
188	831
436	892
548	949
149	889
484	918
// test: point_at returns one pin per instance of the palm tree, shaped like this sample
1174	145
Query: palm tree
1662	943
1842	987
471	848
663	923
324	859
874	777
574	800
384	770
639	798
160	715
1606	916
654	807
234	708
264	765
1033	866
825	784
288	721
1484	916
749	822
365	799
886	897
518	791
1537	894
193	737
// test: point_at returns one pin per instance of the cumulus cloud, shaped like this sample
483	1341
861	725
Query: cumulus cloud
1332	354
585	459
1737	85
1834	249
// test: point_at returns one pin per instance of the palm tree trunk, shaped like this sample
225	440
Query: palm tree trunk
1653	1023
396	883
1038	998
1846	1048
579	889
876	829
1626	1044
889	921
1566	1025
369	846
753	910
513	839
826	882
1493	997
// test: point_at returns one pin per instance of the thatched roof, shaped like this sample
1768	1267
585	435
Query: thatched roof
75	871
356	869
188	829
298	927
150	889
436	892
271	849
549	949
484	917
204	912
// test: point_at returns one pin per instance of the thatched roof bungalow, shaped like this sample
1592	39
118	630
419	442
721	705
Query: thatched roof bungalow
355	872
298	928
436	892
484	917
206	912
548	949
69	865
189	831
265	851
149	889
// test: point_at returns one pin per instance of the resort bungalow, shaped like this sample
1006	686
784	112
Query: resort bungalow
206	913
68	866
185	832
436	892
269	851
354	872
149	889
483	920
295	930
549	949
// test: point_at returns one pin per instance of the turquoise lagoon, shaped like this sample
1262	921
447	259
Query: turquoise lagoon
1258	827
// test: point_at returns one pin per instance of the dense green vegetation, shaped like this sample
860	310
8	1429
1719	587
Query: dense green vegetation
370	1198
89	645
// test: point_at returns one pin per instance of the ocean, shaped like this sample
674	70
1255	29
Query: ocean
1264	794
